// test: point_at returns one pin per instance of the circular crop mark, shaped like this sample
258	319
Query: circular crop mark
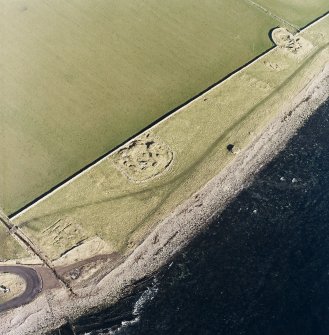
283	38
144	158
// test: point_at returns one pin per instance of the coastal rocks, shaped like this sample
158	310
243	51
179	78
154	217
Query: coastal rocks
144	158
75	274
4	289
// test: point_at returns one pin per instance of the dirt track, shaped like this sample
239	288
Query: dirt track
33	286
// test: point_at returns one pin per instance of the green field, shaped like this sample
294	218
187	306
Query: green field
79	77
297	12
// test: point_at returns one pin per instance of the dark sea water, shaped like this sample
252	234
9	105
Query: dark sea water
261	268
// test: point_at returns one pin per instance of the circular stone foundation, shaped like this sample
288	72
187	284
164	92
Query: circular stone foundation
144	158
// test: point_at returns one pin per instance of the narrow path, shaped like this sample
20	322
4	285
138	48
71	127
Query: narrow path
33	286
268	12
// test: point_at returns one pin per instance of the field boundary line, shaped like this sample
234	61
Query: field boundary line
274	16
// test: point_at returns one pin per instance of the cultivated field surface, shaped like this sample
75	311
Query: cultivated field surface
296	12
80	77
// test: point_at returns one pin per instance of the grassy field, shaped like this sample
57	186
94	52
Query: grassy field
10	249
297	12
109	201
80	77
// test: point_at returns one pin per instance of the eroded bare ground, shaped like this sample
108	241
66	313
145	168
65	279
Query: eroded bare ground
293	45
95	267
